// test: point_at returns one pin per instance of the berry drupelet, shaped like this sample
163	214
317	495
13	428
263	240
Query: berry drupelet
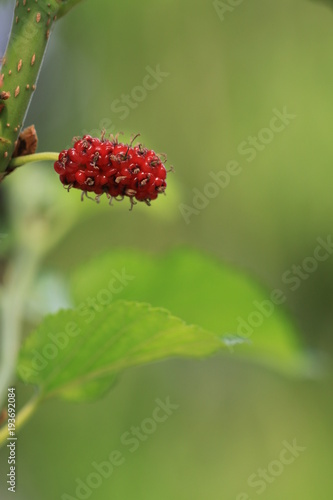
117	169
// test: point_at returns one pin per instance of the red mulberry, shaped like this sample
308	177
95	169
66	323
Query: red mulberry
117	169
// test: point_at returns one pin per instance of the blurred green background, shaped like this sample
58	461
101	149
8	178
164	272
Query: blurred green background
225	78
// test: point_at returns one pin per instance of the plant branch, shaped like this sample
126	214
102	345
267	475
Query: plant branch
31	27
12	303
32	24
21	418
67	6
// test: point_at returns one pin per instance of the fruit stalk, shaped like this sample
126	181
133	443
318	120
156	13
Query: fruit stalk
32	24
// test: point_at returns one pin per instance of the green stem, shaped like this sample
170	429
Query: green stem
31	27
32	24
12	304
66	7
22	417
23	160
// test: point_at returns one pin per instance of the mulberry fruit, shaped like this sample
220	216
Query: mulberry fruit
110	167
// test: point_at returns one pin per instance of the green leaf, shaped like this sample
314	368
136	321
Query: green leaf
201	291
78	358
